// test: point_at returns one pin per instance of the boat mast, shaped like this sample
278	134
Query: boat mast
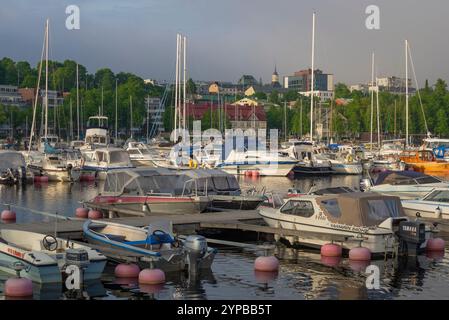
175	138
131	110
148	116
312	86
406	93
184	80
46	82
378	114
33	124
71	120
372	101
116	111
77	103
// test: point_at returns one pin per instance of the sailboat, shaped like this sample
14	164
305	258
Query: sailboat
56	164
310	159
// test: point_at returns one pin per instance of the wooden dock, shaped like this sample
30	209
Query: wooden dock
182	223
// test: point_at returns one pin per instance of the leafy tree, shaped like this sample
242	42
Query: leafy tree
342	91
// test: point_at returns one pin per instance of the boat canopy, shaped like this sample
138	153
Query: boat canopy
404	177
143	181
360	209
11	159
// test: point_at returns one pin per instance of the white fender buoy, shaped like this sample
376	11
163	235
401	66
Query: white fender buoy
8	215
19	287
82	213
94	214
435	244
266	264
125	270
331	250
360	254
151	276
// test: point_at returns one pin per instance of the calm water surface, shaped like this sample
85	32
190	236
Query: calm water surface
303	274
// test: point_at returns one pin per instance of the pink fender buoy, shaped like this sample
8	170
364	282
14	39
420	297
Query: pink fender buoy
358	265
18	287
248	173
435	255
360	254
124	270
151	276
436	244
8	215
330	261
331	250
40	179
255	173
265	277
94	214
82	213
266	264
126	281
151	288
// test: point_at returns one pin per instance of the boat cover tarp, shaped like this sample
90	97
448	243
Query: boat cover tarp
389	177
11	159
360	209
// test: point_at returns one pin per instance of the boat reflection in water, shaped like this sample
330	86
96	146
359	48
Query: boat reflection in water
403	277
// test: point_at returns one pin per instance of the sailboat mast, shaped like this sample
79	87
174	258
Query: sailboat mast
378	114
372	102
184	80
406	93
312	86
116	110
148	116
77	103
46	82
131	107
176	87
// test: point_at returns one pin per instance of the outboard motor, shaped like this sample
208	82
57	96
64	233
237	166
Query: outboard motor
196	247
365	184
411	234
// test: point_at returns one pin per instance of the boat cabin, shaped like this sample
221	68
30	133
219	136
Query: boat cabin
404	178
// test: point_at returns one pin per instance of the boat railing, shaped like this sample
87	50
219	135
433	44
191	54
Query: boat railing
164	194
190	181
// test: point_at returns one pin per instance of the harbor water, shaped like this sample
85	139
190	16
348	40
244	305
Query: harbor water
303	273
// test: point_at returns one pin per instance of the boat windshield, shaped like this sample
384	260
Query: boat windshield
438	196
428	179
118	156
382	209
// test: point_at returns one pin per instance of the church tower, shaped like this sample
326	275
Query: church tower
275	78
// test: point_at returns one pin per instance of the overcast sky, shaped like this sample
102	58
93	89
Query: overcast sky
228	38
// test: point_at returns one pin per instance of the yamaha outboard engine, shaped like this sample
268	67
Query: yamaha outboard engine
196	247
411	234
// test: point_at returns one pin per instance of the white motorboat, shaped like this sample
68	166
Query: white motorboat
266	163
404	184
435	205
350	219
345	161
46	257
311	159
102	160
60	166
144	191
142	155
156	245
97	134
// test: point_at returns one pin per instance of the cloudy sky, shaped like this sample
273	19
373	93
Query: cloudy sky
227	38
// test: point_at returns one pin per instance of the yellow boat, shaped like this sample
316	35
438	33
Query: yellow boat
424	161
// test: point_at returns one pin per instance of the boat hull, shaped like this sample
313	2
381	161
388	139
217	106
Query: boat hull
155	204
36	273
235	202
280	170
347	168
